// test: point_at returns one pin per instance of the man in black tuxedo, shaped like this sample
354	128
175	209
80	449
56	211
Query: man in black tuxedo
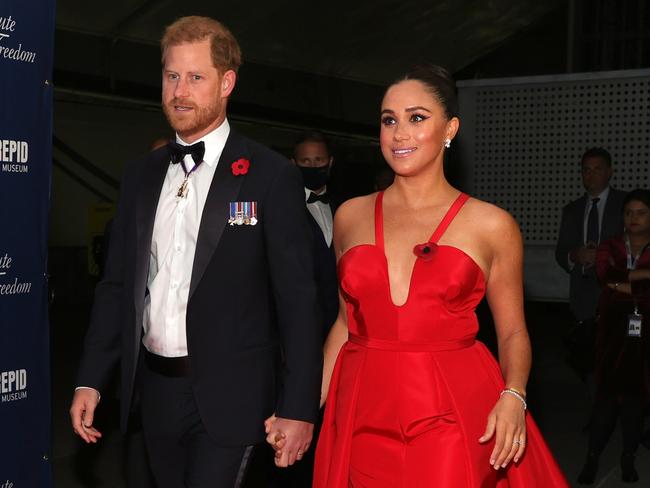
313	158
209	281
586	222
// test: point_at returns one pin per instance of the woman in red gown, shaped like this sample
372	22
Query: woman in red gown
413	400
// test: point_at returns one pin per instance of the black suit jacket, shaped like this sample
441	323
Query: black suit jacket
252	296
584	287
325	271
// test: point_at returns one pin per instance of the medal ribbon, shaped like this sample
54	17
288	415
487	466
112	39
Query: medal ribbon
182	191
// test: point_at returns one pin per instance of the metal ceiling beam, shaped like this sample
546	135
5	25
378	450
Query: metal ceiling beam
346	132
121	27
134	16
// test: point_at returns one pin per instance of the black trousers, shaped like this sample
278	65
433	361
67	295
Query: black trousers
603	421
581	342
181	453
137	471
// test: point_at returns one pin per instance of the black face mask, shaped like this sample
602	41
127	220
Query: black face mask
315	177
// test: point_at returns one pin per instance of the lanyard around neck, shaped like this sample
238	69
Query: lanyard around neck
633	261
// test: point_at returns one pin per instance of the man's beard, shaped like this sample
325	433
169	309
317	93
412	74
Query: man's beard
188	123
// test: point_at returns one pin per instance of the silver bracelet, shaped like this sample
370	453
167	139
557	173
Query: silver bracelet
515	393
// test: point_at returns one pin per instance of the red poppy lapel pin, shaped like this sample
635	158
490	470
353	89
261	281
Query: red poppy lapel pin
425	251
240	167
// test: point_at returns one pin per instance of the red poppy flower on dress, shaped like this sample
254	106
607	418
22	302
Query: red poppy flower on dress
240	167
425	251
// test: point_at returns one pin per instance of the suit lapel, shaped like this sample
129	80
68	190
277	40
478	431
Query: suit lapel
223	190
146	205
610	217
580	219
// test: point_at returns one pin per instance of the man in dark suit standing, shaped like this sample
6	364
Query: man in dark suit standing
586	222
209	279
313	158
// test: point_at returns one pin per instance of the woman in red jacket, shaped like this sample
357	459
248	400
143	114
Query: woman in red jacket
623	338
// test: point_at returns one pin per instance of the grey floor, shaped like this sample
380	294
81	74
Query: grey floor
559	403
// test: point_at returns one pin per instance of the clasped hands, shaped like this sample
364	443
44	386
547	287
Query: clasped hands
585	255
632	276
290	439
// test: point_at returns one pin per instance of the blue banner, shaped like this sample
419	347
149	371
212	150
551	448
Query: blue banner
26	42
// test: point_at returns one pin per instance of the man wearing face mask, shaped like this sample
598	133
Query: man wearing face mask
312	157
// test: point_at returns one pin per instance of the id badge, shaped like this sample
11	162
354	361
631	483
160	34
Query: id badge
634	325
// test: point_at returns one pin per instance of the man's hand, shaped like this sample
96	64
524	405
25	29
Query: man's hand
290	439
82	412
586	255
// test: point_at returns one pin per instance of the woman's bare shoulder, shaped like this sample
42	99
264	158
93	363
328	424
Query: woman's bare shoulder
351	210
489	217
354	223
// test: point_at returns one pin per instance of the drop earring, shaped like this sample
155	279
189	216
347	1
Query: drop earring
447	143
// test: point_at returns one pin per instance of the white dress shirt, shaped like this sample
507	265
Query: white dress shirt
322	213
173	244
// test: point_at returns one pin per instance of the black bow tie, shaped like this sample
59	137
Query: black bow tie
313	198
178	151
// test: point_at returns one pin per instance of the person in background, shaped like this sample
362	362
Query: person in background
591	219
622	370
314	159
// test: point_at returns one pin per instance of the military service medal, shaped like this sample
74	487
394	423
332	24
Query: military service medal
243	213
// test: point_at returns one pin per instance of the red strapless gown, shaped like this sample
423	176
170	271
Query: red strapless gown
412	388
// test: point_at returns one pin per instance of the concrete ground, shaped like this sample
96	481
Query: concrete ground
559	401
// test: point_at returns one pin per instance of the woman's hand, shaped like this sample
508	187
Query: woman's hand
507	421
621	287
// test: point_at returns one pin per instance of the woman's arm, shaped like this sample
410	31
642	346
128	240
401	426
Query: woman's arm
640	283
630	282
620	287
637	283
505	296
639	274
337	336
344	221
606	268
